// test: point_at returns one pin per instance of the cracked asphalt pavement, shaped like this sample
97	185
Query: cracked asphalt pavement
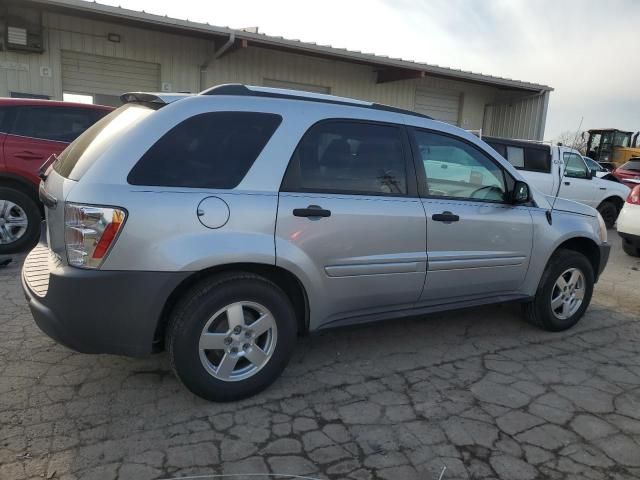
470	394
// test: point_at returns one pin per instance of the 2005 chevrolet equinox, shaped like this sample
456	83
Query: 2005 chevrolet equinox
220	226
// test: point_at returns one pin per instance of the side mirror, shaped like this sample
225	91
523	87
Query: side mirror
590	174
593	172
521	193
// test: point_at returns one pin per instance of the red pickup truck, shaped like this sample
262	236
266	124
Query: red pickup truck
30	131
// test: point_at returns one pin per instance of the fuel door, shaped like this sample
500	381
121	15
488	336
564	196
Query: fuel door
213	212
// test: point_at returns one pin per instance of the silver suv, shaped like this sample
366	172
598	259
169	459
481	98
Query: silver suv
221	226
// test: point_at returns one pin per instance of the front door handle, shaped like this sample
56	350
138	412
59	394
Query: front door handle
567	183
311	211
446	217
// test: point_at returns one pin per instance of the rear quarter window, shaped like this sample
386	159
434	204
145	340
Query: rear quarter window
209	150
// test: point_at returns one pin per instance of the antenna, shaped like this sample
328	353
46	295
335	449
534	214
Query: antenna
564	170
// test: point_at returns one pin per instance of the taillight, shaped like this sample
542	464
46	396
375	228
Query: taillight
634	196
89	233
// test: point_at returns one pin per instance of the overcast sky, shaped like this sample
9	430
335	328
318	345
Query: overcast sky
588	51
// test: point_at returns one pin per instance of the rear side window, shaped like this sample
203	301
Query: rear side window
209	150
59	124
347	157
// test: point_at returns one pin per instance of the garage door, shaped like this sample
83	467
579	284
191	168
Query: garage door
106	78
307	87
442	105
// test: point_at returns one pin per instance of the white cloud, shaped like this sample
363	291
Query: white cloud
587	51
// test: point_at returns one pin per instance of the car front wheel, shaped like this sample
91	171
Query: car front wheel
231	336
564	292
19	221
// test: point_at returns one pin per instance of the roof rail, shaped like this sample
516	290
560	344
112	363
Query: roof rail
238	89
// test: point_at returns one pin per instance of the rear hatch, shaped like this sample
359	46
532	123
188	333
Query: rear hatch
70	166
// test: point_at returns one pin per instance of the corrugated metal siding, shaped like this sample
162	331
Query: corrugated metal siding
269	82
443	105
85	73
180	57
519	118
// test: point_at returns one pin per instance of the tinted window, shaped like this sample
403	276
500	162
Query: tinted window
537	159
632	165
54	123
456	169
3	116
72	162
349	157
210	150
534	158
574	166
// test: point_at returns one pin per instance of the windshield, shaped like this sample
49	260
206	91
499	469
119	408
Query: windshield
632	165
76	159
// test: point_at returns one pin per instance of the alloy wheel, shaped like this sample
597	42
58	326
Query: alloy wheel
568	293
238	341
13	222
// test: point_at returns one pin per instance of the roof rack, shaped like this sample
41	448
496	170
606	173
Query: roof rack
238	89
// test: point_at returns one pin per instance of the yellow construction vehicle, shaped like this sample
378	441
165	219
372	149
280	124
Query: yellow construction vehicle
611	146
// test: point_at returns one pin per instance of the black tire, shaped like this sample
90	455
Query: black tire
197	306
34	218
629	249
609	212
539	311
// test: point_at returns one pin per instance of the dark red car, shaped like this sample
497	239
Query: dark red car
629	173
30	131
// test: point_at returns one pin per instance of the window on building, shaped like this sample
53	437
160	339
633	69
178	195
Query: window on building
455	169
209	150
77	98
349	157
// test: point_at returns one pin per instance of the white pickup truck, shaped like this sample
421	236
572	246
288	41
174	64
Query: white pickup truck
543	166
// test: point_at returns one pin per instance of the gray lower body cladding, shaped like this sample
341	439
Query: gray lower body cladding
95	311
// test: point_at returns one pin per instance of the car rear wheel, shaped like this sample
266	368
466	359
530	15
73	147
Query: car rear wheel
630	249
609	213
19	221
231	336
564	292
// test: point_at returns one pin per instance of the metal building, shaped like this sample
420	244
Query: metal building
84	50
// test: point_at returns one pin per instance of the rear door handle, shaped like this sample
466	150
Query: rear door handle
311	211
446	217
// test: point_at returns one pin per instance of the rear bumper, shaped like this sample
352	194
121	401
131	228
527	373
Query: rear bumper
605	250
94	311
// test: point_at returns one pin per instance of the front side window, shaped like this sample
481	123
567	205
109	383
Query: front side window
574	166
455	169
209	150
54	123
349	157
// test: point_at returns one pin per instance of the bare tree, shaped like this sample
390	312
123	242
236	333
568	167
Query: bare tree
573	139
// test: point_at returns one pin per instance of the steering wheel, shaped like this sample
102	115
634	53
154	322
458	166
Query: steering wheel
484	193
